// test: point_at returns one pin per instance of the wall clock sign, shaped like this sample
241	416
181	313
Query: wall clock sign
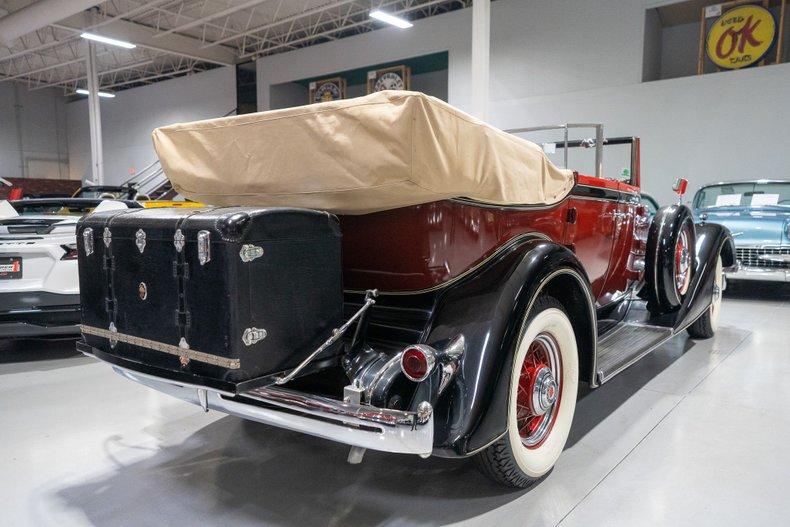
326	90
394	78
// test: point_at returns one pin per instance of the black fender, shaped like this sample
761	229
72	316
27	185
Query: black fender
712	240
488	307
660	291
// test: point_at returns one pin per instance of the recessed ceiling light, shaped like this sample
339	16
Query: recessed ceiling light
83	91
390	19
107	40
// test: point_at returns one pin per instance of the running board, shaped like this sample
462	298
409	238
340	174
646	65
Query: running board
626	345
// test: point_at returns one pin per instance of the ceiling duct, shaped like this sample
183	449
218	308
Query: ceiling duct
38	15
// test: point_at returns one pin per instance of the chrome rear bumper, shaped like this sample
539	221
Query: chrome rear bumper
353	424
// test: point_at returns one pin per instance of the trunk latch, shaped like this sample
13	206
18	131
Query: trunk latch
250	252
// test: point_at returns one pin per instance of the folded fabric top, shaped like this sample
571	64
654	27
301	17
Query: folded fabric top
386	150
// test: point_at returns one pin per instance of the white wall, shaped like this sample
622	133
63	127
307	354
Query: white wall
429	35
129	118
555	61
33	140
537	47
721	126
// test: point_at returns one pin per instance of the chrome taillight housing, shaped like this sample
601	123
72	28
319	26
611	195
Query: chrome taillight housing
417	362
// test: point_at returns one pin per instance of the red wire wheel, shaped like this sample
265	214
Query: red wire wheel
683	258
539	391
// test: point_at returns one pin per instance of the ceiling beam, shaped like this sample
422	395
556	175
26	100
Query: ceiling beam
42	69
329	32
212	16
145	37
123	67
275	23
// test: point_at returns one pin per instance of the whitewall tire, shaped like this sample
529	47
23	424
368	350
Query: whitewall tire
542	399
707	324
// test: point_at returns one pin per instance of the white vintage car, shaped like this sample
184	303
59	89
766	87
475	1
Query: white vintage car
39	283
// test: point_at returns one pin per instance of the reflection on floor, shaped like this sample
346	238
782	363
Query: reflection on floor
696	433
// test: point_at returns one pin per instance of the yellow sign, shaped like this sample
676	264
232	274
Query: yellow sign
741	37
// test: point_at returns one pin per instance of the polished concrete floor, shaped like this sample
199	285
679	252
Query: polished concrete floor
697	433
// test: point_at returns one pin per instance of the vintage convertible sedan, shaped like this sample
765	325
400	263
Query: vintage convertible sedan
414	281
758	214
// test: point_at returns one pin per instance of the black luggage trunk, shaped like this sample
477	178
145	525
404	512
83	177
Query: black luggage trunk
227	294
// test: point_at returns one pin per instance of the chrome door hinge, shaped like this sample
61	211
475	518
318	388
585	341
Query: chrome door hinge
87	239
178	240
204	247
139	240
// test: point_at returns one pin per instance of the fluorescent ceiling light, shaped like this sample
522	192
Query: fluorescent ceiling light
83	91
107	40
390	19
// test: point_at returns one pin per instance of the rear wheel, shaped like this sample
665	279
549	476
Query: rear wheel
541	402
707	324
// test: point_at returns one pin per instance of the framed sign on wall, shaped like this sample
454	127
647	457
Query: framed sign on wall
394	78
743	33
325	90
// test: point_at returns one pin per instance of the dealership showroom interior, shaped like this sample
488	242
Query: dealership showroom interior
394	262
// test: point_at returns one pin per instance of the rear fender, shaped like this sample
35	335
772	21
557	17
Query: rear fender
489	308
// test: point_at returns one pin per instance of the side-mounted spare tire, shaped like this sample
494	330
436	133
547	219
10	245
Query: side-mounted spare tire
670	259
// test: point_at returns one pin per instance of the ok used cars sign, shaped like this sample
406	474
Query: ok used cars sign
741	37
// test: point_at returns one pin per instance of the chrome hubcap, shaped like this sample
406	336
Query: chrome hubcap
539	389
682	262
544	391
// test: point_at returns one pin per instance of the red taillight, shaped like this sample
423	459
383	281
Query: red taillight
71	252
417	362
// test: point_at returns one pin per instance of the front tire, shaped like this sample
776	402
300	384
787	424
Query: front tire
707	324
541	402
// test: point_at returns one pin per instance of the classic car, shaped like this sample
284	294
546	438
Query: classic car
39	285
758	214
449	304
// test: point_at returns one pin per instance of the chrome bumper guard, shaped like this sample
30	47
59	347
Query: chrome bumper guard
353	424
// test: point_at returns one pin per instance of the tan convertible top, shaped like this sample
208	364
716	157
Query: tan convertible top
386	150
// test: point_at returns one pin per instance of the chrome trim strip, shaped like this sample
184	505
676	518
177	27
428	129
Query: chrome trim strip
502	248
170	349
356	425
483	204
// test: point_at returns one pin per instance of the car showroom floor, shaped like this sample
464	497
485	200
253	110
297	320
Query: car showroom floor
695	434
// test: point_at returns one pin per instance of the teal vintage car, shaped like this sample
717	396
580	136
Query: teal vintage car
758	215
